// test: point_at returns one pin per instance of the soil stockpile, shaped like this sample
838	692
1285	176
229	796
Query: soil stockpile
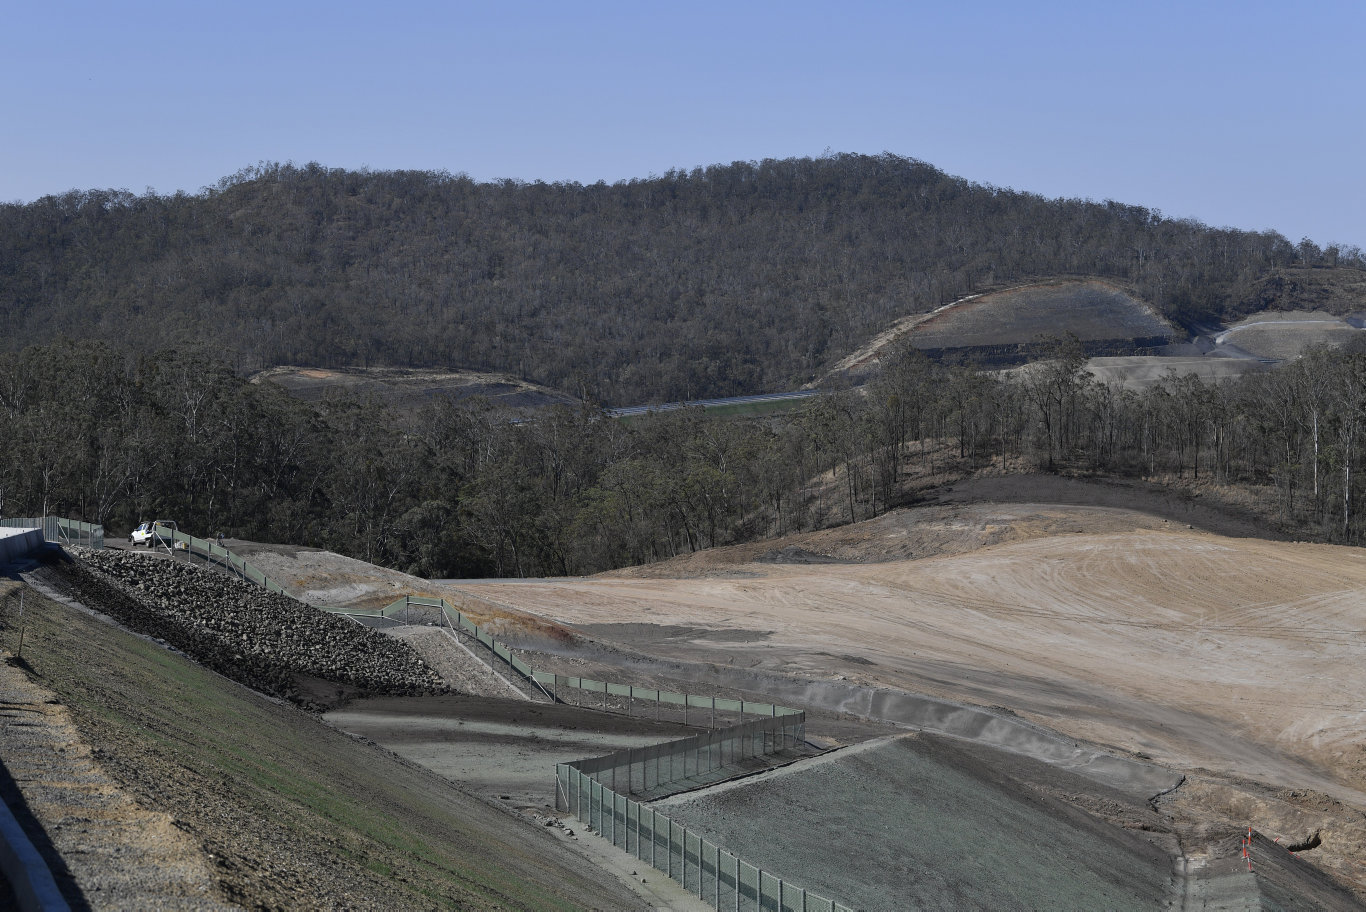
262	639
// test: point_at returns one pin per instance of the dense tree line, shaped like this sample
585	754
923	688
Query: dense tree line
469	490
715	281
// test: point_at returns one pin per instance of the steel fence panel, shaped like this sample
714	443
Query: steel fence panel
675	850
632	819
768	895
586	801
594	812
747	896
654	839
692	859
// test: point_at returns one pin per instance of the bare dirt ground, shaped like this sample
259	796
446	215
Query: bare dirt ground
1154	625
1139	372
1237	658
1092	309
1282	335
457	736
408	389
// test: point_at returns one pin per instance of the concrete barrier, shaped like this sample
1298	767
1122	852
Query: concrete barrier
17	543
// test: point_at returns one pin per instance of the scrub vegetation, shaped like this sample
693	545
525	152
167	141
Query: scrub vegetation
469	490
730	279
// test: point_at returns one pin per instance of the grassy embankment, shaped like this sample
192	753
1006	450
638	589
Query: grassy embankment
295	814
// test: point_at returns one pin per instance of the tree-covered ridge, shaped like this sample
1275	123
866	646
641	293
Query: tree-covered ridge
721	280
469	491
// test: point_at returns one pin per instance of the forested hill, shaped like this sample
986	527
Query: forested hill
722	280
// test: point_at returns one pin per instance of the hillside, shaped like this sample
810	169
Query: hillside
280	810
1005	327
1233	660
749	277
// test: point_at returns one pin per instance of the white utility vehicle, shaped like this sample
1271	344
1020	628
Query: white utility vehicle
151	534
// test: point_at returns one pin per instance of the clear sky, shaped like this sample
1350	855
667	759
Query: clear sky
1243	114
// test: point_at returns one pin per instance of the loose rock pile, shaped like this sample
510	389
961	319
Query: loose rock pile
260	638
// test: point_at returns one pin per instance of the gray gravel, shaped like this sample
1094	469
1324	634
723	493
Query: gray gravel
262	639
917	822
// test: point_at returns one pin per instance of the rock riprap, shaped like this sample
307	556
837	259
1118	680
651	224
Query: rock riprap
262	639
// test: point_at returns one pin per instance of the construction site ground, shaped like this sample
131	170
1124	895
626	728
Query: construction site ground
1148	625
1142	670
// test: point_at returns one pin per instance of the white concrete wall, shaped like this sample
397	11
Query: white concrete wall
15	543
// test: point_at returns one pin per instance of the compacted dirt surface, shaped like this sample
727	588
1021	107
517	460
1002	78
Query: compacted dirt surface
1238	661
1042	693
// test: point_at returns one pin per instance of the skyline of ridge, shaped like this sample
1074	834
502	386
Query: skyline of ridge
1238	116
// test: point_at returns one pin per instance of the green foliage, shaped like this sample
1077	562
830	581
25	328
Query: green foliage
729	279
472	492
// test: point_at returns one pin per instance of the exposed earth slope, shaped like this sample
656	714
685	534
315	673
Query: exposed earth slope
285	812
1239	657
405	390
997	327
1124	671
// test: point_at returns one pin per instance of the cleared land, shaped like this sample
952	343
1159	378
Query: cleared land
1092	310
1124	619
987	325
1139	372
1095	634
935	800
1236	656
503	749
1282	335
408	389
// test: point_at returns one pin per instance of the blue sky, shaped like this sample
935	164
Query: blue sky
1240	114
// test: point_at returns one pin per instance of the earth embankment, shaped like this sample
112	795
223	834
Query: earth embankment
283	811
